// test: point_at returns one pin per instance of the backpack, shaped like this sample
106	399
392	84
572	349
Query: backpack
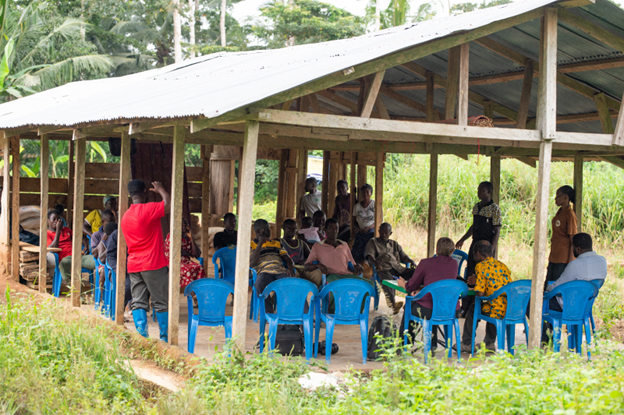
381	325
289	340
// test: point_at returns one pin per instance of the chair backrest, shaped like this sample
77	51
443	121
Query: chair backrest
575	296
349	293
212	295
460	257
290	297
518	296
590	304
445	295
227	259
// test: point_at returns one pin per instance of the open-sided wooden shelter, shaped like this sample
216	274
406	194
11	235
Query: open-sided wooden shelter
549	74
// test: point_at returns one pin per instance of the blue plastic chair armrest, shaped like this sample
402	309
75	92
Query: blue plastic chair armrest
550	294
201	261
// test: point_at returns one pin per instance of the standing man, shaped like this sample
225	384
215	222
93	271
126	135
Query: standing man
486	226
311	202
342	210
147	264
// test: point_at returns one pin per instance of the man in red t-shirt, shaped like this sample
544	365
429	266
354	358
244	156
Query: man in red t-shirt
147	264
59	236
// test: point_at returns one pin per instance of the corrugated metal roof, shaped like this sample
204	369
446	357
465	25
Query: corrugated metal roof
216	84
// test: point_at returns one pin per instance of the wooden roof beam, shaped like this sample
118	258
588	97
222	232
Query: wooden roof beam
370	94
592	29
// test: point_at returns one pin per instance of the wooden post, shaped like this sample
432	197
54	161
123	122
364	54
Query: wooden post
488	111
250	150
15	219
70	182
334	171
546	123
362	175
78	217
43	224
353	193
430	89
603	113
6	189
525	97
452	83
379	171
238	179
464	78
433	205
280	215
325	184
302	170
205	225
125	175
495	168
578	188
175	226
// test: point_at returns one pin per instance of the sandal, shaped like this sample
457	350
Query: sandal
322	347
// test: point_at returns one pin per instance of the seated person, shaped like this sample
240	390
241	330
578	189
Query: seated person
387	255
342	210
189	270
430	270
96	237
490	275
59	236
93	221
318	222
101	250
61	209
229	235
307	232
298	250
111	261
268	259
587	266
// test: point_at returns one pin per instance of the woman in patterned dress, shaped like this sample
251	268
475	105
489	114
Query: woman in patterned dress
189	270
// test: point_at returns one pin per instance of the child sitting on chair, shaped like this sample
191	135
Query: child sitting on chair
307	232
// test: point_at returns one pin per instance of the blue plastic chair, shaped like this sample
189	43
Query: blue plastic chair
589	314
518	296
226	269
57	279
460	256
378	283
445	294
97	295
89	271
348	296
201	261
110	289
291	295
254	308
212	295
576	296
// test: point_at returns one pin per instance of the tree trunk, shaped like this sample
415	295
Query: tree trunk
222	22
192	10
377	25
177	32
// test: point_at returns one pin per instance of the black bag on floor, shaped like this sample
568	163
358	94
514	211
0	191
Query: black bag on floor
289	340
383	326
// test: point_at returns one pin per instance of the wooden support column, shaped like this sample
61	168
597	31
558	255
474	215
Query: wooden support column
280	214
525	97
495	168
206	151
488	109
430	89
353	187
70	182
379	171
578	188
302	170
433	205
43	223
547	123
125	175
370	95
618	135
238	179
250	152
464	78
452	83
78	217
362	176
334	168
603	113
6	190
175	226
15	219
326	183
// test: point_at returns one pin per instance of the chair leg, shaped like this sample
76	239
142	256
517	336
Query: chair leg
500	335
511	338
406	324
556	336
317	327
448	340
426	338
364	338
526	330
329	336
475	321
192	334
261	329
272	334
591	319
457	339
579	338
228	330
588	338
308	337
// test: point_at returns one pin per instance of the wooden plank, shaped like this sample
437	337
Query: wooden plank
102	170
403	99
6	185
430	109
78	219
452	83
125	175
464	77
43	223
280	214
574	3
381	108
70	184
592	29
371	93
603	113
618	136
354	192
302	170
325	183
495	169
231	182
195	174
175	226
239	319
15	219
379	183
433	205
547	115
525	96
578	188
331	95
238	178
206	152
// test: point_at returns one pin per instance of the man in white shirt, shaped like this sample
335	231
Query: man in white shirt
311	202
